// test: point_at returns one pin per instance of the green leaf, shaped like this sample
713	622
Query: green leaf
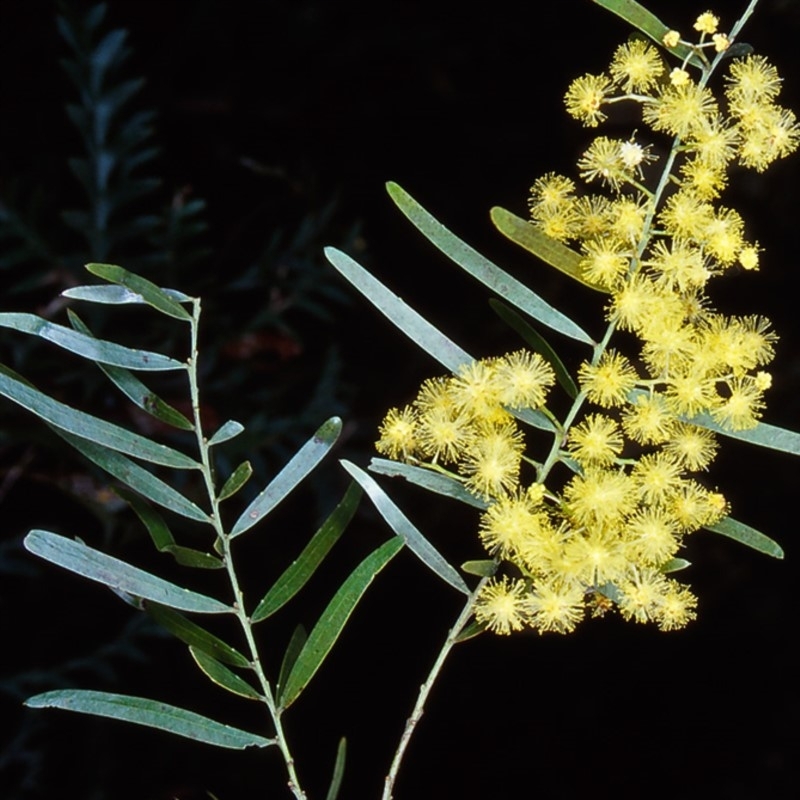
675	565
301	569
333	619
537	343
115	295
151	713
236	480
427	479
338	770
218	673
413	324
137	478
162	536
403	527
483	270
649	24
135	390
300	465
84	560
230	429
87	346
147	290
746	535
293	650
483	568
763	435
471	631
552	252
192	634
91	428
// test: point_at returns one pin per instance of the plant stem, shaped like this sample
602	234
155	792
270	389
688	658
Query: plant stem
227	557
425	689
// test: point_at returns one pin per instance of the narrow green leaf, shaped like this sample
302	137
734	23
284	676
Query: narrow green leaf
192	634
403	527
483	568
413	324
293	650
483	270
537	343
162	536
675	565
549	250
135	390
220	674
84	560
763	435
151	294
116	295
471	631
303	567
427	479
534	417
230	429
746	535
649	24
87	346
91	428
150	713
300	465
236	480
338	770
333	619
136	477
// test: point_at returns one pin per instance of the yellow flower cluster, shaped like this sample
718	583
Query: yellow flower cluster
605	535
464	421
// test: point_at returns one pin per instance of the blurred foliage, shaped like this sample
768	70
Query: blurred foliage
274	305
269	349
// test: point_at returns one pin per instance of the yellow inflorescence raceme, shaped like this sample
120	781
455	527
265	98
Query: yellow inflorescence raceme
603	535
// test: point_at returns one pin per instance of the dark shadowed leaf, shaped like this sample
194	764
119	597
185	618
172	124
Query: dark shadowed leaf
303	567
293	650
746	535
333	619
338	770
192	634
236	480
220	674
537	343
162	536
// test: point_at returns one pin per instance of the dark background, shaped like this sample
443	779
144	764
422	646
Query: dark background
269	111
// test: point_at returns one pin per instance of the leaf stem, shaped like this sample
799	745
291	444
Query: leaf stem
425	689
224	541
